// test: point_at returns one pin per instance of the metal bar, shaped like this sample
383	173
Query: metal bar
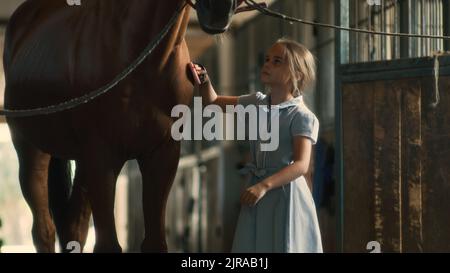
341	15
427	22
396	29
369	25
365	37
344	20
383	39
357	42
423	18
352	35
446	22
405	27
434	24
388	40
434	19
415	27
380	38
395	23
441	25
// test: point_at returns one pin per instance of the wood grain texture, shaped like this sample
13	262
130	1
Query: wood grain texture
358	165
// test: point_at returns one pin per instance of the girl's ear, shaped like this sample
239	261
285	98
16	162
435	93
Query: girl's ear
298	76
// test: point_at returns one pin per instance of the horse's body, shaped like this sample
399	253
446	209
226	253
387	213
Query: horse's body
54	52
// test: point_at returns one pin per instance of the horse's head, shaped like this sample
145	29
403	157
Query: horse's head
215	16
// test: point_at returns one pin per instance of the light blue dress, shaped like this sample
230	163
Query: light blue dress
285	219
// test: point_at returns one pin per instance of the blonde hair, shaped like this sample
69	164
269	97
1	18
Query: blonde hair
300	60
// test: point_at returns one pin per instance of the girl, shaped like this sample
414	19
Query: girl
278	212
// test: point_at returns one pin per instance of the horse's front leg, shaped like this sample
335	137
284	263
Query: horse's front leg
158	172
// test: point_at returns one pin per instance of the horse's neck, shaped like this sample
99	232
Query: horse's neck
146	18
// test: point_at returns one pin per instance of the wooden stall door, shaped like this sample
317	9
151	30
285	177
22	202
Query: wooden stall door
396	162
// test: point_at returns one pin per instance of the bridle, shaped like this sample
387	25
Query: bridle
237	8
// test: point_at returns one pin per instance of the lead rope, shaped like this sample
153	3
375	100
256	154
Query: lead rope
436	69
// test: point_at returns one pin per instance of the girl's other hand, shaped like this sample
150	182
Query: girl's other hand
253	194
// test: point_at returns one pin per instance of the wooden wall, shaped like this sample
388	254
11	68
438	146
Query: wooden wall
396	151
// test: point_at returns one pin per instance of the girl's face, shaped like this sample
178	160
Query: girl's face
275	71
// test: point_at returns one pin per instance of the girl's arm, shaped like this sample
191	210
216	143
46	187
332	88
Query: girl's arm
302	154
209	95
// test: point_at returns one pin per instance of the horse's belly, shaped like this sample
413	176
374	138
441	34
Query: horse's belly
50	134
76	137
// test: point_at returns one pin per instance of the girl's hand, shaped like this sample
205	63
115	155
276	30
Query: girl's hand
252	195
202	73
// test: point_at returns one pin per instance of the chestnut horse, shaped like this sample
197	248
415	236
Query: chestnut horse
55	52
